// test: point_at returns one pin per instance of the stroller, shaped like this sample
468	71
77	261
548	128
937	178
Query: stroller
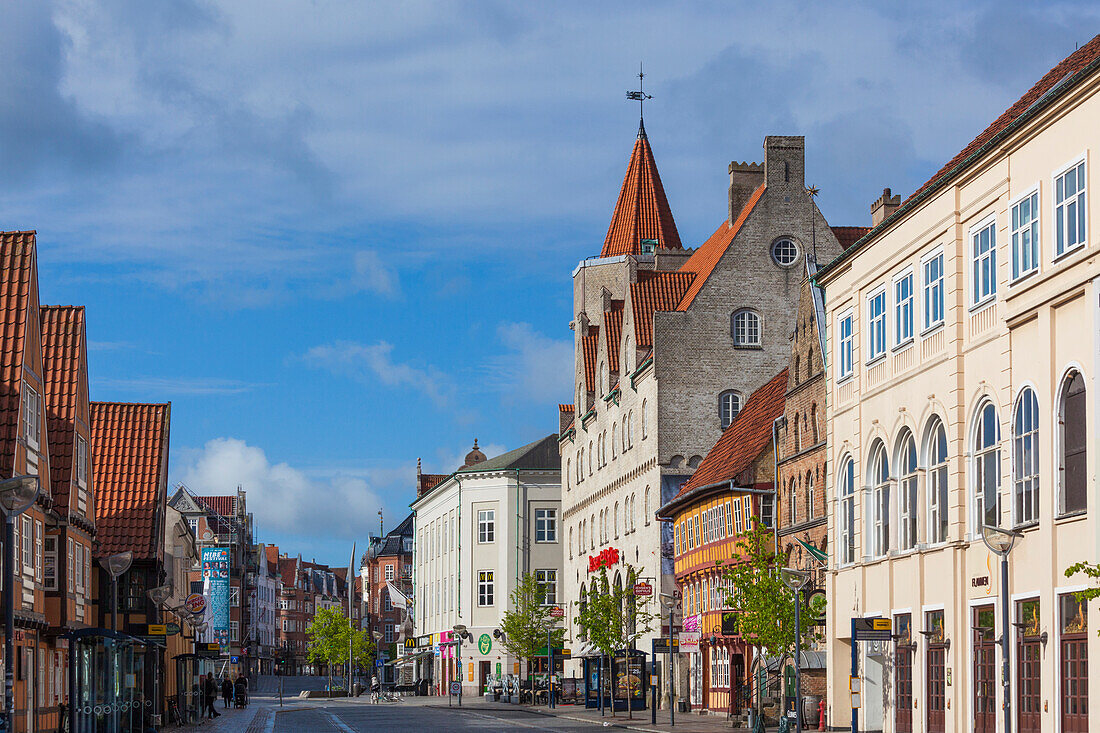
240	692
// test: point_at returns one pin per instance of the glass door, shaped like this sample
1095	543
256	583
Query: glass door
1074	673
935	672
1028	667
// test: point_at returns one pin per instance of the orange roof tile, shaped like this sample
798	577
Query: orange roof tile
18	265
656	291
847	236
130	470
589	346
642	211
272	553
744	439
64	352
1064	76
223	505
429	481
703	261
565	408
613	322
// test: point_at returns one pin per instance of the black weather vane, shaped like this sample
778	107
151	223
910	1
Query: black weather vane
640	96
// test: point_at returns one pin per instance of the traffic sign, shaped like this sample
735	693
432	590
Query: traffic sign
456	688
643	589
379	663
557	612
660	645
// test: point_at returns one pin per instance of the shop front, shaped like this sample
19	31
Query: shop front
107	682
623	674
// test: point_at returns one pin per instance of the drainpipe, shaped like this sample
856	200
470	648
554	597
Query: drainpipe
521	534
780	421
458	552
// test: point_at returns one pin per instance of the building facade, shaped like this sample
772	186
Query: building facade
963	333
478	531
389	564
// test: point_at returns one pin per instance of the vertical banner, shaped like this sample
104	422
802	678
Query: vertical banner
215	586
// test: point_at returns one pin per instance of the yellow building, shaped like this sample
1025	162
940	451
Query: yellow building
964	343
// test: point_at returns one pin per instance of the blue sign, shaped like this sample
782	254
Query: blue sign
379	663
215	583
234	659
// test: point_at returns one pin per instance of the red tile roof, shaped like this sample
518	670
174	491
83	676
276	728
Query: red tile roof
130	470
565	408
272	553
1069	71
589	347
613	322
288	567
703	261
655	291
642	211
222	505
18	272
847	236
744	439
63	357
429	481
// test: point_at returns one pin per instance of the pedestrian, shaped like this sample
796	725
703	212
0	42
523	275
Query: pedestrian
227	691
210	694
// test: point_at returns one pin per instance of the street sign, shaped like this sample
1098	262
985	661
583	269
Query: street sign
379	663
157	630
557	612
205	649
643	590
871	629
564	653
660	645
456	688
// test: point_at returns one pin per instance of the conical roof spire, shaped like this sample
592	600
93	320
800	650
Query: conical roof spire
642	211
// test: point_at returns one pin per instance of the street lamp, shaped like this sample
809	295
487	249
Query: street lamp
795	580
17	494
1000	542
462	633
116	565
671	701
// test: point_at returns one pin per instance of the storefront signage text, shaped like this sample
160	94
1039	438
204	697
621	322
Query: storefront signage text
605	559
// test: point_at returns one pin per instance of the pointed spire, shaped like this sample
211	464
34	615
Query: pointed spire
642	211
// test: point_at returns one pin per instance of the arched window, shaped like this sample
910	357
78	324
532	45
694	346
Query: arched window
616	525
568	472
580	465
792	501
570	543
746	328
590	454
809	363
797	435
1025	457
645	505
809	495
624	434
880	496
614	434
1072	477
592	528
797	364
987	469
813	421
633	510
937	483
645	420
847	485
907	491
630	432
729	405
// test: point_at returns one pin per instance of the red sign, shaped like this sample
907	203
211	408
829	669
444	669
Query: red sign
556	612
605	559
643	589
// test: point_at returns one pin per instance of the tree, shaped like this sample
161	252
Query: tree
330	634
1091	570
762	601
527	623
612	618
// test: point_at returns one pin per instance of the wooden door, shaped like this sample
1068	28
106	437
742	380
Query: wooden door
1075	683
937	687
1028	689
903	685
984	682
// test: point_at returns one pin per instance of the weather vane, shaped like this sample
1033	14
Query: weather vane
640	97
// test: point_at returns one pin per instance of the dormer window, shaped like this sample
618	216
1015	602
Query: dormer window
81	461
649	246
32	418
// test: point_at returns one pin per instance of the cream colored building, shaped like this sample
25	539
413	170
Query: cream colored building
964	348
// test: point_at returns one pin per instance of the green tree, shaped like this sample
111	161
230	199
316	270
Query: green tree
1091	570
613	618
331	635
527	622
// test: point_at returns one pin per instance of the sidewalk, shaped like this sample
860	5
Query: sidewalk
251	719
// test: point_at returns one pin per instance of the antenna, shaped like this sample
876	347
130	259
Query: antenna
813	191
640	97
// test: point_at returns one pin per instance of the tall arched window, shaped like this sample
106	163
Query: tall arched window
809	495
937	482
570	543
847	498
729	404
645	505
907	492
792	503
746	328
616	525
633	511
797	435
568	474
813	421
880	496
592	527
987	469
590	453
630	432
624	434
1072	477
580	465
1025	457
645	420
614	434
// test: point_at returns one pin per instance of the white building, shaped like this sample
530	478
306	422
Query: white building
478	531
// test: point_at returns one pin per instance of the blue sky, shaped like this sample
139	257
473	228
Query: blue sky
338	235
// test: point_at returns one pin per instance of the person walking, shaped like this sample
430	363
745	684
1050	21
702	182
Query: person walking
209	695
227	691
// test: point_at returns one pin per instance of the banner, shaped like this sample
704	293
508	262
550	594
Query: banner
215	585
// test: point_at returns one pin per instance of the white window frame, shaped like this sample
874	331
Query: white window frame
26	539
845	345
486	589
903	309
908	492
486	526
876	325
1034	227
32	416
933	291
546	524
735	404
548	581
933	489
1082	198
390	574
977	497
880	492
846	483
81	461
979	296
744	334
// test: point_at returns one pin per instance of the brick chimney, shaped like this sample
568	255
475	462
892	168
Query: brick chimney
744	179
785	161
884	206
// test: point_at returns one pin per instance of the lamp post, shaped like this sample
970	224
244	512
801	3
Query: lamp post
671	657
795	580
1000	542
159	596
17	494
461	632
116	565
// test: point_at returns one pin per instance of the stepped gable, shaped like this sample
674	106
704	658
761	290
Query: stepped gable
642	211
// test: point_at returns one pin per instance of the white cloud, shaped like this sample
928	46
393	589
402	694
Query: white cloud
287	500
537	368
374	275
375	362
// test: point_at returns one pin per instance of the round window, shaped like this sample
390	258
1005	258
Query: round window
784	252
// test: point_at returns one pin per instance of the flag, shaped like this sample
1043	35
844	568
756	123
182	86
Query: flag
815	553
397	597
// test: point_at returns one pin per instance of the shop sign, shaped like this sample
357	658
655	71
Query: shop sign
485	644
729	623
195	604
410	643
689	642
171	628
660	645
605	559
643	590
871	629
691	623
556	612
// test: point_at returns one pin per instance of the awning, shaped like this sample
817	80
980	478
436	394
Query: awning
807	660
815	553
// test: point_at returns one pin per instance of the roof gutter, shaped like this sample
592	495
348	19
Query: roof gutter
1053	94
643	365
664	514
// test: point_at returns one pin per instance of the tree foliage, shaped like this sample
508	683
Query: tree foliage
613	618
1090	570
329	637
527	622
